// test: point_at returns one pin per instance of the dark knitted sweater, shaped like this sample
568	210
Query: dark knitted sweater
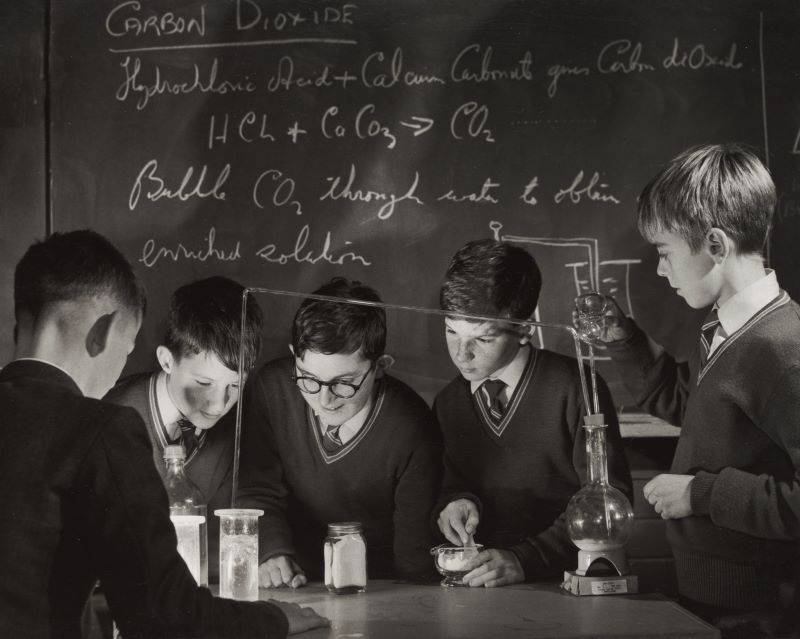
523	476
210	467
83	502
386	477
741	440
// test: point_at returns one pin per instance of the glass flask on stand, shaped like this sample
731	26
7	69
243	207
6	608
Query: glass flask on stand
599	516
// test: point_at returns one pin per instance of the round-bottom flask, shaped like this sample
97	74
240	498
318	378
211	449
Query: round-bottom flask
599	517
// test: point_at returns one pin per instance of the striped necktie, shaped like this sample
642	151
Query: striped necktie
707	331
330	440
188	437
490	391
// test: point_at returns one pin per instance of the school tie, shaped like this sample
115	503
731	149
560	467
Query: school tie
707	331
330	440
188	437
490	390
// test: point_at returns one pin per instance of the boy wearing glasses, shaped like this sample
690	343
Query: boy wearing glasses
330	437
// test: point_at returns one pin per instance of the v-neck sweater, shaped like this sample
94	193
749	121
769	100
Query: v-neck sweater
740	439
209	467
523	472
386	477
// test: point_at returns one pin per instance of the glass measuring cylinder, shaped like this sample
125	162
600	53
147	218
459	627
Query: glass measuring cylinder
238	553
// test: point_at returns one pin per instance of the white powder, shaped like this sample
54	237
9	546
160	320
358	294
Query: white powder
346	562
457	560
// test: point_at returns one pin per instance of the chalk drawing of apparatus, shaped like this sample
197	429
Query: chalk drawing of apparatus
570	266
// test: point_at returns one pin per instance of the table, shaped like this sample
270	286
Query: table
537	611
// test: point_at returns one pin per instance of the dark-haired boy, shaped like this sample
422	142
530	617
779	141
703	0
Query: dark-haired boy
83	501
189	399
514	446
330	437
732	496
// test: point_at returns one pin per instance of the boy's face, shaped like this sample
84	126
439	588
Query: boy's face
202	388
351	368
479	349
692	275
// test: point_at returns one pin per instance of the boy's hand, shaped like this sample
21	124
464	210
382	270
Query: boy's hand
615	325
494	568
458	521
281	571
670	495
301	618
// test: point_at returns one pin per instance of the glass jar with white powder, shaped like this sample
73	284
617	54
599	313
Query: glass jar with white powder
345	558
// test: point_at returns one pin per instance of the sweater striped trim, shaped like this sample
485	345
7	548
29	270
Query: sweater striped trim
779	301
498	428
313	423
159	428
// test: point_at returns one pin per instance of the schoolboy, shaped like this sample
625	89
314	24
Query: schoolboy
189	399
732	496
329	437
83	501
514	446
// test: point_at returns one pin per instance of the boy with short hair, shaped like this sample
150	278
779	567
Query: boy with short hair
83	501
512	423
732	496
329	437
189	399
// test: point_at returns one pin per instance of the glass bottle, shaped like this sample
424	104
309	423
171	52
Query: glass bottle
345	552
599	517
187	510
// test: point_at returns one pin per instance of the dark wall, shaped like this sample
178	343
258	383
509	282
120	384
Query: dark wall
22	146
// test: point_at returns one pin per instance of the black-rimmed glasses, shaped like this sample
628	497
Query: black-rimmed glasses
342	390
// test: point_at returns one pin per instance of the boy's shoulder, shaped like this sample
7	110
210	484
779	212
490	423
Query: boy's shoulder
777	332
276	366
275	372
402	397
406	409
130	389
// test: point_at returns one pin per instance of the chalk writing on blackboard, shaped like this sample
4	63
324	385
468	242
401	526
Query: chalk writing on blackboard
611	276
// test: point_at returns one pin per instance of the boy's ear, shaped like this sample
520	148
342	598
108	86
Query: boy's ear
165	358
99	334
384	363
525	335
291	349
718	244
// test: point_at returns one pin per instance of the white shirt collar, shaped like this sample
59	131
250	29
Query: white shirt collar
350	428
510	374
738	310
166	407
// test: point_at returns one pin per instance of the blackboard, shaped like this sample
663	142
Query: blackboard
281	143
22	147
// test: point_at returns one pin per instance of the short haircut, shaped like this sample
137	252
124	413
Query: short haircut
76	265
331	327
206	316
718	185
491	278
